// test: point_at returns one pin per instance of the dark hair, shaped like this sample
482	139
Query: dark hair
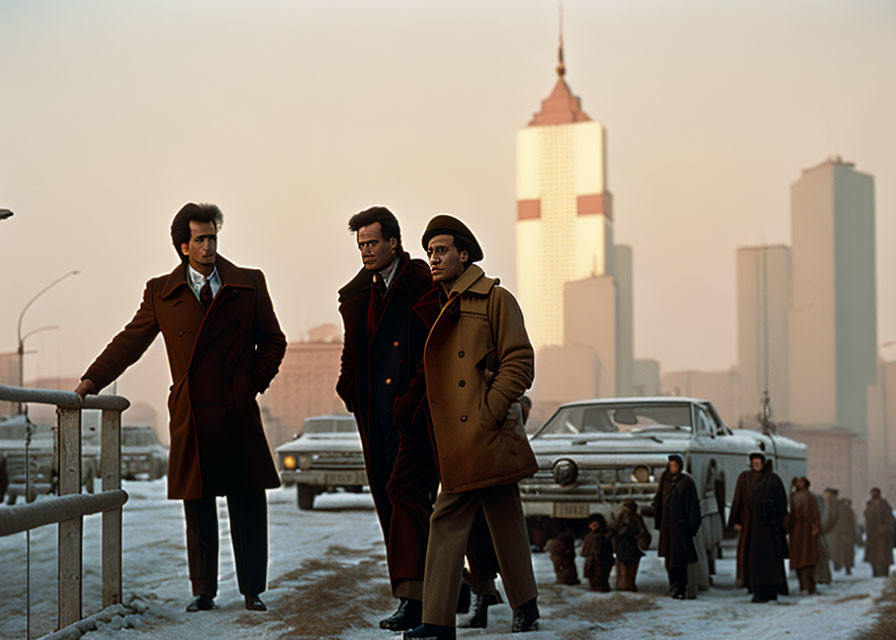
180	226
388	222
599	518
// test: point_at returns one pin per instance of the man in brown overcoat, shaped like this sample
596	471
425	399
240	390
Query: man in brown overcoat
387	310
224	347
478	362
805	527
879	534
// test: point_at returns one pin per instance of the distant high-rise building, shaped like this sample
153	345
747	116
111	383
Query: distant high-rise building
565	235
832	320
564	209
763	302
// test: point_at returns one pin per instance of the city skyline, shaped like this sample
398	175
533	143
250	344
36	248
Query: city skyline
292	118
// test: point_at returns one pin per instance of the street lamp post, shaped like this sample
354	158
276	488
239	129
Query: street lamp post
21	338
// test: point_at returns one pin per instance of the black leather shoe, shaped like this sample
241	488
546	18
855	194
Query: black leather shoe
428	631
408	615
479	619
525	617
201	603
254	603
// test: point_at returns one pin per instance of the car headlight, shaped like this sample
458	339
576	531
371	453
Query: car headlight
641	474
289	462
305	462
565	471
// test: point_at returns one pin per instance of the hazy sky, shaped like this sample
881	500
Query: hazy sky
291	116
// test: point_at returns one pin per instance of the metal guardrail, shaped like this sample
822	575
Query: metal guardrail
70	508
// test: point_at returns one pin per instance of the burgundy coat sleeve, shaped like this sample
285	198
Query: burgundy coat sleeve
345	386
270	343
127	347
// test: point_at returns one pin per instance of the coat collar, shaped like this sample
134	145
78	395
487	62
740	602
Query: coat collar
230	274
363	280
473	280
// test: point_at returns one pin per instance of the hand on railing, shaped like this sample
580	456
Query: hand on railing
86	387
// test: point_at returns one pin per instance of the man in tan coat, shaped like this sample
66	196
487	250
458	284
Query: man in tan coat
478	361
224	347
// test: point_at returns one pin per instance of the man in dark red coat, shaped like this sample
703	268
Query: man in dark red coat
224	346
387	310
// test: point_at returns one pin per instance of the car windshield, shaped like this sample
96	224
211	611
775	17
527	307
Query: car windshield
330	425
618	418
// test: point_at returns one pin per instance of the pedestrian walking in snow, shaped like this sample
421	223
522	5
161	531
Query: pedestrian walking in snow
879	534
676	508
845	537
757	512
805	527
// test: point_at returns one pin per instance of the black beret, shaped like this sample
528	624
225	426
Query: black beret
756	454
674	457
449	225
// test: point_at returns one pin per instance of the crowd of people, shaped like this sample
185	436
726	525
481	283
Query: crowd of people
818	534
435	363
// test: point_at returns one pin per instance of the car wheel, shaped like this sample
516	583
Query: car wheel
155	469
305	494
11	499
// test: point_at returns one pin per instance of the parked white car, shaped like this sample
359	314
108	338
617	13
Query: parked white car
595	454
326	457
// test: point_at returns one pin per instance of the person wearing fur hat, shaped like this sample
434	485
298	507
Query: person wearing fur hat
676	509
757	512
478	361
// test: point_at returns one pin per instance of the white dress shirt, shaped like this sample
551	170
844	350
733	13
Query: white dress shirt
388	274
197	281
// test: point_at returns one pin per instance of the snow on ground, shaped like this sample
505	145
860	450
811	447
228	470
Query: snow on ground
327	579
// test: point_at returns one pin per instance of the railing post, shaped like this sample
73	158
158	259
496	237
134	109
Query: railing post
110	470
70	531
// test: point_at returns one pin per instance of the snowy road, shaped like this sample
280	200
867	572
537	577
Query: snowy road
327	579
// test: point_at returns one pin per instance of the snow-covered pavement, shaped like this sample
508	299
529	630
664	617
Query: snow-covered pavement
327	579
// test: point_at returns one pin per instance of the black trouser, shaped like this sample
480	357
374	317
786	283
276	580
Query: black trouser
248	533
678	579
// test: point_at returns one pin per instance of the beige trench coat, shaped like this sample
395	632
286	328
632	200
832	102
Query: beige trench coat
478	361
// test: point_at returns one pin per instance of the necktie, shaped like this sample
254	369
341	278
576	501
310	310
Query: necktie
205	294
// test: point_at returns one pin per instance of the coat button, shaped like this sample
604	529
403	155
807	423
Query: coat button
460	354
395	344
388	380
462	383
181	333
463	418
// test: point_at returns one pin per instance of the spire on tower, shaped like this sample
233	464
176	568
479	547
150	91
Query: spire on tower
561	68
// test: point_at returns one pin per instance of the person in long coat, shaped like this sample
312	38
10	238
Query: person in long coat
597	549
828	520
224	347
805	527
845	537
478	361
387	310
879	534
630	539
757	511
676	508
